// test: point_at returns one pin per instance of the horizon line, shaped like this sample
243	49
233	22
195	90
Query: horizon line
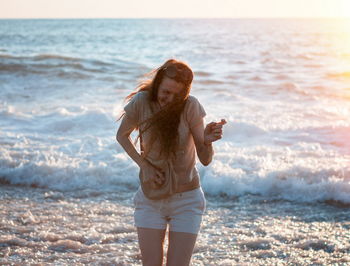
63	18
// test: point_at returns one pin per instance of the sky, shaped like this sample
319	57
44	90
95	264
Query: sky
173	9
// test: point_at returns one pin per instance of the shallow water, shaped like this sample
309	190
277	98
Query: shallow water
84	227
278	188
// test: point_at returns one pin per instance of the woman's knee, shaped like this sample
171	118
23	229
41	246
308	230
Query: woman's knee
152	260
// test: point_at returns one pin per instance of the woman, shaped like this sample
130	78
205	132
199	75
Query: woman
171	127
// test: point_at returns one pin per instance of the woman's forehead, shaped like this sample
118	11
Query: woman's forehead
170	84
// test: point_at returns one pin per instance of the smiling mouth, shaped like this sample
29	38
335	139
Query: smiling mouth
163	102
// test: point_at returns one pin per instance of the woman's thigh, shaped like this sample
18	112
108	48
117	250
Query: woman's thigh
180	248
151	245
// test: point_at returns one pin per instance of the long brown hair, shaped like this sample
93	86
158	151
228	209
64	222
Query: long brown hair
164	123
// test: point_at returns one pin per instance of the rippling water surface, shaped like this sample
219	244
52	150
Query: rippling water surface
280	179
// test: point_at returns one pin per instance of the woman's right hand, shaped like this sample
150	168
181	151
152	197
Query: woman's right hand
151	174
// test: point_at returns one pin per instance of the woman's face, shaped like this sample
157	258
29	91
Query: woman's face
168	90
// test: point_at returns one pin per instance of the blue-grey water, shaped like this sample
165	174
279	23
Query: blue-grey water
280	178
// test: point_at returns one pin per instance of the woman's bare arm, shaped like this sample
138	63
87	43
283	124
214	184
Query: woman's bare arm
204	137
205	151
150	174
123	137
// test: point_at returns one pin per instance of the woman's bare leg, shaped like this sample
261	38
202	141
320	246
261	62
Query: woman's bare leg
151	245
180	248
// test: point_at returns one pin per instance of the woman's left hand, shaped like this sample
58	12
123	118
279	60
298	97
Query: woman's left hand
213	131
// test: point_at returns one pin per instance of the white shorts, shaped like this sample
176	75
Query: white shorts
182	211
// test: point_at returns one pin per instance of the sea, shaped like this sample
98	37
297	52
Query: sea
278	188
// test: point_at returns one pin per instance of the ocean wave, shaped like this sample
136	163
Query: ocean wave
78	164
202	74
58	171
282	77
59	121
210	82
294	88
78	123
41	57
296	183
339	75
256	78
233	77
305	56
52	157
57	65
19	68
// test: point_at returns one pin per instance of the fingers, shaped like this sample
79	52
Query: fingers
222	122
217	131
160	178
216	125
146	179
152	175
217	136
211	124
155	177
